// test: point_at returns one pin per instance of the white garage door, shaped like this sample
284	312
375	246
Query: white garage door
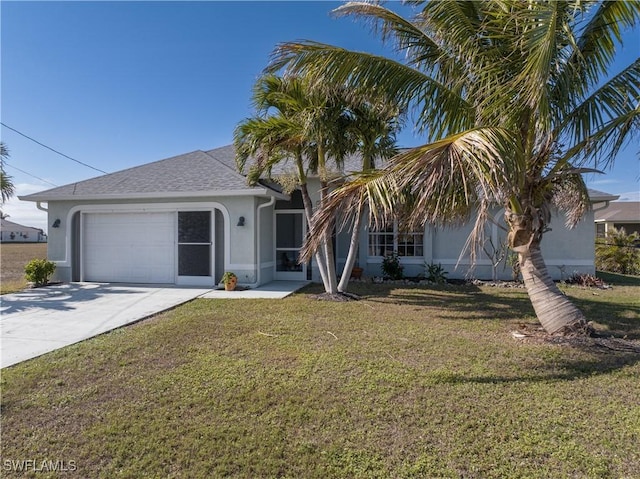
129	247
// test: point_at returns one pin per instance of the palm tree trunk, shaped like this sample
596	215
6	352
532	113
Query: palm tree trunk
332	282
308	209
556	313
353	251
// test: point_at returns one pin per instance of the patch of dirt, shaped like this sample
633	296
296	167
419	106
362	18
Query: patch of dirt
338	297
597	342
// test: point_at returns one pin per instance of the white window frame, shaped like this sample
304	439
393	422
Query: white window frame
399	246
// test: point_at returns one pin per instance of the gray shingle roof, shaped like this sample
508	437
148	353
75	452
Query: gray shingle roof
620	211
6	225
226	155
199	173
192	174
597	196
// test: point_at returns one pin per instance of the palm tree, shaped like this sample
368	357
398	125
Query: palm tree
308	125
514	98
7	190
375	124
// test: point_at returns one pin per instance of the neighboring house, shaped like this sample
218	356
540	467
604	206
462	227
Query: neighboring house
618	215
187	219
11	232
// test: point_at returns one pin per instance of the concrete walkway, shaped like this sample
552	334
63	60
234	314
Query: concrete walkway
273	290
36	321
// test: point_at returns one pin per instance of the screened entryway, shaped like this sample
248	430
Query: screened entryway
290	231
194	244
200	247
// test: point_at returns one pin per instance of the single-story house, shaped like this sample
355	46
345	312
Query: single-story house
187	219
11	232
618	215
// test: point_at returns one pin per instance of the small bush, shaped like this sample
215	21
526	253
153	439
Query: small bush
38	271
586	280
436	273
391	267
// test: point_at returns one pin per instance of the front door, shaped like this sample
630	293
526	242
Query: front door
290	232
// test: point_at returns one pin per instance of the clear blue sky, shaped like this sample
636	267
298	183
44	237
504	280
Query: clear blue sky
119	84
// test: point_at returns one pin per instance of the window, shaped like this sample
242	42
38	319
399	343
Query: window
387	240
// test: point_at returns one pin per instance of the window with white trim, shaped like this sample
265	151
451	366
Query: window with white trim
385	241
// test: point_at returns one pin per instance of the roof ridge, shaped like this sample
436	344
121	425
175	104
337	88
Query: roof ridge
236	172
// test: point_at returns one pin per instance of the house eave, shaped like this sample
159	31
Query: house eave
261	192
600	199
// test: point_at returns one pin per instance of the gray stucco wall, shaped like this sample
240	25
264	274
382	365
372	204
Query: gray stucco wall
264	238
566	251
239	245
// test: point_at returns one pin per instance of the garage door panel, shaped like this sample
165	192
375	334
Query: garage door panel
129	247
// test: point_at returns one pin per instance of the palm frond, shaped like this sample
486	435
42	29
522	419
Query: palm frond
439	108
570	195
264	140
441	183
373	189
419	44
447	178
596	46
7	188
596	129
542	26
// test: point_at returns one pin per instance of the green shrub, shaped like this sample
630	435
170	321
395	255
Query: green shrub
436	273
38	271
391	267
618	252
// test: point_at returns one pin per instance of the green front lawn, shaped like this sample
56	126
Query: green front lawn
406	383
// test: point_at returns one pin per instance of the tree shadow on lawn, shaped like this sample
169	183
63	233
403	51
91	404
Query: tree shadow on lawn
618	279
515	309
466	302
558	370
469	302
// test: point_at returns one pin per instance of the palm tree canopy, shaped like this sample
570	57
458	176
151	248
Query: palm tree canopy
296	119
7	189
514	99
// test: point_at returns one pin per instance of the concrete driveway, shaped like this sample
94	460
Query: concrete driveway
37	321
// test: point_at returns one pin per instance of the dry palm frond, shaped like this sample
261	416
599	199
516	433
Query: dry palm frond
440	183
570	195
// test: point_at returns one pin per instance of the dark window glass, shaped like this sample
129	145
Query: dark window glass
194	260
194	227
288	261
289	230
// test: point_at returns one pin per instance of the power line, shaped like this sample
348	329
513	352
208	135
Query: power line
49	148
27	173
